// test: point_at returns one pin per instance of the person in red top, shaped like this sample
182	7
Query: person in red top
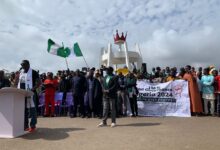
50	89
217	89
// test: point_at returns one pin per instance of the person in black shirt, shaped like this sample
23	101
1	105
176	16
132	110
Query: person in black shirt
93	96
3	81
29	80
122	95
63	87
78	87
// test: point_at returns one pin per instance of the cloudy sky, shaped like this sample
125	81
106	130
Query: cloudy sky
169	32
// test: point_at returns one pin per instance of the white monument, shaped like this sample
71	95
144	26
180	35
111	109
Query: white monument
122	56
12	103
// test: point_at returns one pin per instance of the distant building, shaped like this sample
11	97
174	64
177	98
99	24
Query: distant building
130	59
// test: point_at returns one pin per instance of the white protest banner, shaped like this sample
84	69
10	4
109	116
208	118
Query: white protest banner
163	99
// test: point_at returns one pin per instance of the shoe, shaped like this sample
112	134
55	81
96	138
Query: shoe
32	129
102	124
26	129
45	115
132	115
125	114
72	116
113	125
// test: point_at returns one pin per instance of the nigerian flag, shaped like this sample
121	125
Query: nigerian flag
77	50
58	50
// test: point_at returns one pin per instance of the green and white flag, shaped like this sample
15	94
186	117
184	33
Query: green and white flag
58	50
77	51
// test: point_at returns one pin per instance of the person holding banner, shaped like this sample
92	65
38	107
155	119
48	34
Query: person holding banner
171	76
122	95
132	94
208	91
195	99
50	85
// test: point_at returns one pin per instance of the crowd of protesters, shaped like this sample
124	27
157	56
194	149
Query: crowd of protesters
95	91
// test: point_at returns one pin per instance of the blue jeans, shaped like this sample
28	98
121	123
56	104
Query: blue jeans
30	113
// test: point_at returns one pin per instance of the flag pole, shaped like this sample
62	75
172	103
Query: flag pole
66	60
67	64
85	61
81	54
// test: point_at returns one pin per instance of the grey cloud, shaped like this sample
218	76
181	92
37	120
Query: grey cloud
170	32
171	48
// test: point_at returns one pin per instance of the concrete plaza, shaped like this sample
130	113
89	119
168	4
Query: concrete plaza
141	133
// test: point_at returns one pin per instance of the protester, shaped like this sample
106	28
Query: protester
195	99
90	102
50	85
78	87
193	71
14	78
132	93
98	76
93	96
153	72
29	80
109	97
211	69
64	87
122	95
199	73
167	71
208	91
217	90
181	73
3	81
171	76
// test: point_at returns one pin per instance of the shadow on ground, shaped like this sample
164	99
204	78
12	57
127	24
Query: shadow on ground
139	124
50	133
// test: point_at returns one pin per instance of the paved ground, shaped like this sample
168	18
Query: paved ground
62	133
